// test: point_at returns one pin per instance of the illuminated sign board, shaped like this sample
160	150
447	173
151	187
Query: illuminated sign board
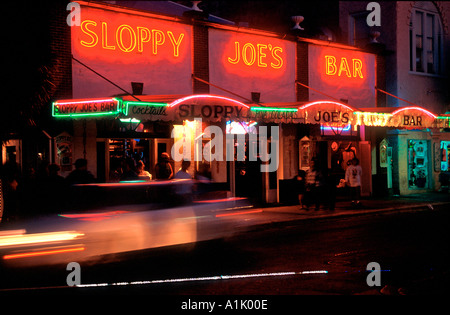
86	108
129	47
127	39
245	63
328	113
343	73
403	117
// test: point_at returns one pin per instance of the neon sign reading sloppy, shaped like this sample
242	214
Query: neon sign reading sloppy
80	108
127	39
343	68
258	54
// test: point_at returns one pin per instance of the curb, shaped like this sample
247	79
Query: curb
345	213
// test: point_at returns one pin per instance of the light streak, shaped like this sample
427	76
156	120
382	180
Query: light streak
43	253
416	108
273	109
178	101
93	216
26	239
325	102
237	213
210	278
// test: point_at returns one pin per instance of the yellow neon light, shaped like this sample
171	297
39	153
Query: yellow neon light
277	58
158	39
89	32
144	36
238	55
252	54
105	37
119	38
175	43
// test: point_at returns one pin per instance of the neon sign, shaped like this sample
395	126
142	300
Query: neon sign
262	55
144	108
128	39
328	113
405	117
86	108
332	68
372	119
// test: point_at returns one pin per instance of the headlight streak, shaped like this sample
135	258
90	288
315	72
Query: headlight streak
211	278
36	238
43	253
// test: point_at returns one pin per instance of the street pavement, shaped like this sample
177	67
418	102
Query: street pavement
392	204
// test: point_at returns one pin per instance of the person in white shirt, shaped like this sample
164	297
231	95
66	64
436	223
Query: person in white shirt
353	180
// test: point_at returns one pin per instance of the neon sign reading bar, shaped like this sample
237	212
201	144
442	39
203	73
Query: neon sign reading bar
342	67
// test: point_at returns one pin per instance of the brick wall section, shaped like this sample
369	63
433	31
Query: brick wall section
201	58
61	50
302	72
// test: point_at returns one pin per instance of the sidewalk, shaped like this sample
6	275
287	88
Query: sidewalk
416	202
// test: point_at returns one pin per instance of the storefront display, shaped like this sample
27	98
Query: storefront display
445	156
418	164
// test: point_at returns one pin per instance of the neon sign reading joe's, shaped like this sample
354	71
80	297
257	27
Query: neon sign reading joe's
261	55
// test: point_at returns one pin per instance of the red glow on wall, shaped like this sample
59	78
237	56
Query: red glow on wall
342	67
253	55
112	36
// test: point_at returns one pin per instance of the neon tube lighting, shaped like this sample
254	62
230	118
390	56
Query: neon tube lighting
144	103
346	128
178	101
325	102
86	101
274	109
417	108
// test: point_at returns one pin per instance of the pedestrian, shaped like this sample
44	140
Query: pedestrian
55	190
80	175
141	172
353	180
129	170
299	187
184	189
314	185
163	169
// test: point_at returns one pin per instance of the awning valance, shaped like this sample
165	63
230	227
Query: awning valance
214	108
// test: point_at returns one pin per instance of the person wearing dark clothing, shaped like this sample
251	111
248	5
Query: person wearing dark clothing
54	194
163	169
315	184
129	170
299	186
80	175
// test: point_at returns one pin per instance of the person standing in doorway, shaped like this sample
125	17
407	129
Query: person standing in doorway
353	180
163	169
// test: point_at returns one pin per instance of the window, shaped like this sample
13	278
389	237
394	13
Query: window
425	36
358	29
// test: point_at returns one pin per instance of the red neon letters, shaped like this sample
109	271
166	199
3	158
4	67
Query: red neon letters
341	67
127	39
260	54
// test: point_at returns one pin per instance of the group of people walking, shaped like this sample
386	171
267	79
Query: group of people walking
318	186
